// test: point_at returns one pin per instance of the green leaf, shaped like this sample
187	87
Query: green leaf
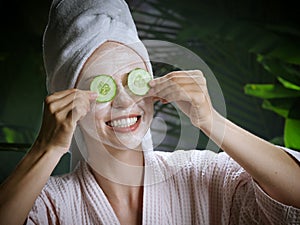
14	135
280	69
279	106
292	134
285	107
267	91
288	84
10	135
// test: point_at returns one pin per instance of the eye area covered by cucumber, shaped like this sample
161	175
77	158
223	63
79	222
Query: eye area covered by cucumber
106	87
138	80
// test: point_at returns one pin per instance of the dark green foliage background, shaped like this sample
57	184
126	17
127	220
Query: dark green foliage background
242	41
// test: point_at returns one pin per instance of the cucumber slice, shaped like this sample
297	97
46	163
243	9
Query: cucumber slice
105	86
138	80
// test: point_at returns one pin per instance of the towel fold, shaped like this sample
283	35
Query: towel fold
75	29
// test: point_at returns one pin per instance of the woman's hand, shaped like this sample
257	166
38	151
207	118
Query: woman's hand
62	111
189	91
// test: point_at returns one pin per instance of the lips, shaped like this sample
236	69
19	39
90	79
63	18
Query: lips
124	124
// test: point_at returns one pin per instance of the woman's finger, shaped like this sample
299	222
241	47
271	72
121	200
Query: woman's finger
178	79
70	92
181	77
56	103
177	92
61	115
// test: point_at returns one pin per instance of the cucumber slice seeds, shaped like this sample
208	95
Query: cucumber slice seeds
138	80
105	86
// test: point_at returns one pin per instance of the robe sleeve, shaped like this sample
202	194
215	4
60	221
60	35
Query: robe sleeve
236	198
42	212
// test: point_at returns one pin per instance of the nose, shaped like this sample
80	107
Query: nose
122	99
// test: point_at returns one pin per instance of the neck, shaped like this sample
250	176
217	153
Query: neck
121	178
125	167
126	200
117	192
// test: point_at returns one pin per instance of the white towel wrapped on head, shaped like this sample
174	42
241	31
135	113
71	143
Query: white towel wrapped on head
75	29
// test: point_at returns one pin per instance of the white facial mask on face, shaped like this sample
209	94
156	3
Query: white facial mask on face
116	60
74	30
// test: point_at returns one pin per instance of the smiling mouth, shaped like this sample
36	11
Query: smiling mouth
124	124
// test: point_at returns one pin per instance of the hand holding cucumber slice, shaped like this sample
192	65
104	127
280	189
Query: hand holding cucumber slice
106	86
138	80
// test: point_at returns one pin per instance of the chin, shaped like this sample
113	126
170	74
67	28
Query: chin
127	142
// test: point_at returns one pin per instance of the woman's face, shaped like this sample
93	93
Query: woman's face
123	122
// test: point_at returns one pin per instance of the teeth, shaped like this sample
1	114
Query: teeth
123	122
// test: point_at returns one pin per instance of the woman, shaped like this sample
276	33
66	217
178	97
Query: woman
121	180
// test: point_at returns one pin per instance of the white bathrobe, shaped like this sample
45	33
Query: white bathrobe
190	187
